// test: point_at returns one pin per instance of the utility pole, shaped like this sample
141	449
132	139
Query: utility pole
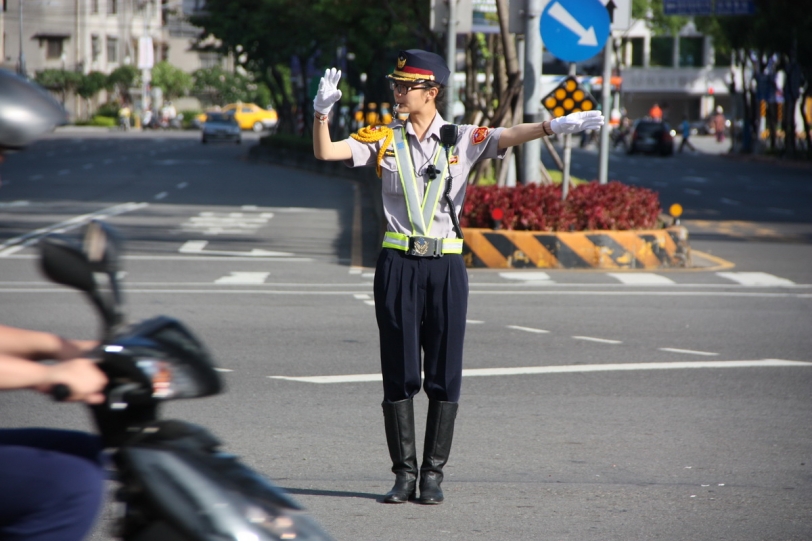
606	100
531	151
21	67
451	58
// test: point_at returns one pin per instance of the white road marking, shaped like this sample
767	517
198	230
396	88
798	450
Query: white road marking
565	369
370	303
527	329
87	166
64	172
641	278
689	351
601	340
727	201
691	191
35	177
525	276
18	243
361	296
787	212
368	275
243	278
212	223
196	247
756	279
14	203
474	322
223	370
700	180
161	195
182	185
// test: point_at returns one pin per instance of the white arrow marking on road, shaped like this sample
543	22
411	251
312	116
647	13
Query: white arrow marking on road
196	247
474	372
586	37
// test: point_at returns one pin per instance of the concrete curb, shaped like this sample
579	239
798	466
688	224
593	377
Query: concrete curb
644	249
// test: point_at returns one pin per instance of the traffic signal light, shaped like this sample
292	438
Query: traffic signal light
569	97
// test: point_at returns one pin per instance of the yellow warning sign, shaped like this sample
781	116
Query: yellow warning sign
569	97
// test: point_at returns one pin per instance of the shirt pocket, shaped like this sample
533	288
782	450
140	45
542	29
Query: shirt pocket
390	179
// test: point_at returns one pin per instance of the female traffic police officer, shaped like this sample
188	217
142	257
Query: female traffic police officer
421	284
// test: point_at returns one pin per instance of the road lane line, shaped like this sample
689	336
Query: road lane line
601	340
248	278
689	351
527	329
565	369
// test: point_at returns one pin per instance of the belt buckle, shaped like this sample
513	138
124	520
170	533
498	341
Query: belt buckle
424	247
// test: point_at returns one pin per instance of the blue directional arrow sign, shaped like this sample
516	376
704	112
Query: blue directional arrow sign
574	30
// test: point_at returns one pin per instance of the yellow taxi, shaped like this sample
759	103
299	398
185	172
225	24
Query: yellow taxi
251	116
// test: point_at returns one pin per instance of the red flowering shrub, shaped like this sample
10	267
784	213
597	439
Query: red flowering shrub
537	207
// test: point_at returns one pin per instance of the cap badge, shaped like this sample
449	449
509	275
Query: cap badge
401	62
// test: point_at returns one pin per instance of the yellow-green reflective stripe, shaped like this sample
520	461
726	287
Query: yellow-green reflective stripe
435	187
409	183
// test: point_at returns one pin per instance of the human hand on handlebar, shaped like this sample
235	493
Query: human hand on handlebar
82	378
328	92
577	122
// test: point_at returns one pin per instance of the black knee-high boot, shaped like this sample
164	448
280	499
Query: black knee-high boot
399	422
439	433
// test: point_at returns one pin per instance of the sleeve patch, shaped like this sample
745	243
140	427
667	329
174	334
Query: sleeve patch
454	160
479	135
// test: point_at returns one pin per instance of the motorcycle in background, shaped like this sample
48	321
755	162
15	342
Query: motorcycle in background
175	482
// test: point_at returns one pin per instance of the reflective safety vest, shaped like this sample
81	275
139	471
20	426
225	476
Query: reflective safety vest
421	213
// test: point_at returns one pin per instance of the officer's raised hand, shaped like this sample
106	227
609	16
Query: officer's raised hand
328	92
577	122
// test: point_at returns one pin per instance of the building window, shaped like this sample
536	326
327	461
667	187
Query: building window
112	49
94	6
636	45
691	52
95	47
662	52
53	48
112	7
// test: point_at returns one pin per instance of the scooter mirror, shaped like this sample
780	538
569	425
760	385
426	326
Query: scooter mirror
63	261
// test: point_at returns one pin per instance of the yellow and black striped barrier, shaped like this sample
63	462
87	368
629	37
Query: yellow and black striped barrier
644	249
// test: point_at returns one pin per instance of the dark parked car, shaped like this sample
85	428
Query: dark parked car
651	136
221	127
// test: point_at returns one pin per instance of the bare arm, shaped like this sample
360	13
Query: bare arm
326	149
522	133
84	379
36	345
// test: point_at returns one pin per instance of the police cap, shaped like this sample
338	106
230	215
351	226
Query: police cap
416	66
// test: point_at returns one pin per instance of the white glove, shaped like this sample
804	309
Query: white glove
328	92
577	122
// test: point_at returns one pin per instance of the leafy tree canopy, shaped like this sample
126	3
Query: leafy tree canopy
173	81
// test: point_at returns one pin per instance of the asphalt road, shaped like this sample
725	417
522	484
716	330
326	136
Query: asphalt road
598	406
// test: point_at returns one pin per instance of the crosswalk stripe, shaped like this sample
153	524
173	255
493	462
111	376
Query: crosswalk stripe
755	279
641	278
243	278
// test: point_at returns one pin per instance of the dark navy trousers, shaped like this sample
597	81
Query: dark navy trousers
51	484
421	305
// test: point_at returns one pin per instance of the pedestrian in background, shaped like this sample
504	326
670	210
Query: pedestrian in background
719	124
655	113
421	283
685	128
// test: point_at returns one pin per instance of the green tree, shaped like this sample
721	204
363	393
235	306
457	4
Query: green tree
172	80
90	85
122	79
265	35
216	86
58	80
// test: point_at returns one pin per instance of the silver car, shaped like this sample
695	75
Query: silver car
221	127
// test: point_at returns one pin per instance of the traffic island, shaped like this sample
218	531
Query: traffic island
639	249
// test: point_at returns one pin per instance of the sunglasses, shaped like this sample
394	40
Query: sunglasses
404	89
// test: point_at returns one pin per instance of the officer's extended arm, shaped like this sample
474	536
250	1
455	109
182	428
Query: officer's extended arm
323	147
572	123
